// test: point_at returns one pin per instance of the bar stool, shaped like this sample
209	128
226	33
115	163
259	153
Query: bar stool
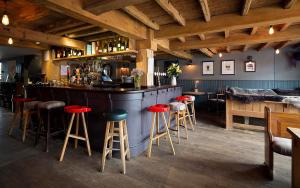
48	107
25	107
178	110
156	110
117	116
185	100
191	102
76	110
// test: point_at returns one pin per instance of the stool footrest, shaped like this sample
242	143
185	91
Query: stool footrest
158	135
77	137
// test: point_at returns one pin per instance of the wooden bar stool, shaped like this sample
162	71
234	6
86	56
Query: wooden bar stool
117	116
156	110
24	108
191	102
178	110
185	100
76	110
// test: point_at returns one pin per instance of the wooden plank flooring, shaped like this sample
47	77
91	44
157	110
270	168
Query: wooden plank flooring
213	157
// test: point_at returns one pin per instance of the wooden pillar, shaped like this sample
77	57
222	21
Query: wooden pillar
145	62
50	68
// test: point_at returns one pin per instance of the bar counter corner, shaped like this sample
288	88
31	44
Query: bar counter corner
102	100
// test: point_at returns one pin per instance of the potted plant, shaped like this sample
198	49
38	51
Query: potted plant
173	71
137	75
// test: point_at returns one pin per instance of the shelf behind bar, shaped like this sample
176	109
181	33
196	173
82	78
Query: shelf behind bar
127	52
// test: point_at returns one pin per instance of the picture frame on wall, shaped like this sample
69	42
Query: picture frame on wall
207	68
228	67
250	66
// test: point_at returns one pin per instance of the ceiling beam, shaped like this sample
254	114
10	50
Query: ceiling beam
213	50
139	15
206	52
284	26
171	10
282	44
228	49
182	39
35	36
226	33
205	10
293	33
62	25
263	46
245	48
253	30
115	20
246	8
202	36
290	3
23	44
98	7
74	30
256	17
87	33
164	46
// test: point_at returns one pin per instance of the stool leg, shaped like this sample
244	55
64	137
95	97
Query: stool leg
86	135
185	125
169	119
12	125
168	133
67	138
48	132
157	129
151	134
104	152
111	133
178	125
122	144
189	115
126	141
76	131
194	112
38	130
27	115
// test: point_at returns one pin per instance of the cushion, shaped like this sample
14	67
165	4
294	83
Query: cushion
191	97
282	146
31	105
175	106
116	115
51	105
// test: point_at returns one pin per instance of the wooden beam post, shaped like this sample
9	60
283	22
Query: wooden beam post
290	3
246	8
205	10
145	62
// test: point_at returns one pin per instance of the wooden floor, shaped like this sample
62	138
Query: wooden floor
213	157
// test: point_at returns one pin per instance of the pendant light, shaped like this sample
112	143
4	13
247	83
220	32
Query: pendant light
277	51
5	18
10	41
220	55
271	30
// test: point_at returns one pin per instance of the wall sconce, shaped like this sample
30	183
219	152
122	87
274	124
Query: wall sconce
249	59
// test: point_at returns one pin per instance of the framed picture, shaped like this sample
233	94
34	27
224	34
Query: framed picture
227	67
250	66
207	68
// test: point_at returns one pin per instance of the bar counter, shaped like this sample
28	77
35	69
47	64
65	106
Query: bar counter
101	100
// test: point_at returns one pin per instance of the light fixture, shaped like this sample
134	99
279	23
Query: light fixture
277	51
37	43
220	54
5	19
271	30
10	41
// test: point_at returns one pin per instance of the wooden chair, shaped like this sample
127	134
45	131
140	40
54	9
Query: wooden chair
277	139
216	100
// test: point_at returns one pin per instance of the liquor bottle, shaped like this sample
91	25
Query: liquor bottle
100	46
122	44
105	47
119	44
115	45
126	44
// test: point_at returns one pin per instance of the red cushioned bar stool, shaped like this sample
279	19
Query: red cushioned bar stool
24	108
159	109
186	101
76	110
191	102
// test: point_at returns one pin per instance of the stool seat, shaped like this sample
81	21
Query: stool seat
175	106
191	97
159	108
31	105
182	98
19	99
77	109
116	115
66	108
51	105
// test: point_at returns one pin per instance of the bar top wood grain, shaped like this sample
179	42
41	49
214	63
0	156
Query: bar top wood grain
295	132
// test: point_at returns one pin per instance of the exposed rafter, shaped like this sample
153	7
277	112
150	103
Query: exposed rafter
62	25
98	7
228	49
257	17
87	33
226	33
74	30
290	3
202	36
284	26
253	30
206	51
23	44
246	8
171	10
263	46
282	44
245	48
205	10
164	46
182	39
113	20
139	15
213	50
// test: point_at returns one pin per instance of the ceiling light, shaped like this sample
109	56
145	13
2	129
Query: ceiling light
37	43
277	51
10	41
5	19
220	54
271	30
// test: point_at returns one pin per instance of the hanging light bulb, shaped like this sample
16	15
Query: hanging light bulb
10	41
220	54
271	30
5	19
277	51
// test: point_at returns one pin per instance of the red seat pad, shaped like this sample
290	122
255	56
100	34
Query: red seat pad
182	98
18	99
66	108
78	110
159	108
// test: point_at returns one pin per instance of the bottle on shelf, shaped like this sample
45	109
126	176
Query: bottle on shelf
115	45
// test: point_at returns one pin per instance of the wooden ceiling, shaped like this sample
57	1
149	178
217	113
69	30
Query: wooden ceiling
207	26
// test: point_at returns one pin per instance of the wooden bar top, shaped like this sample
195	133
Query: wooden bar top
295	132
